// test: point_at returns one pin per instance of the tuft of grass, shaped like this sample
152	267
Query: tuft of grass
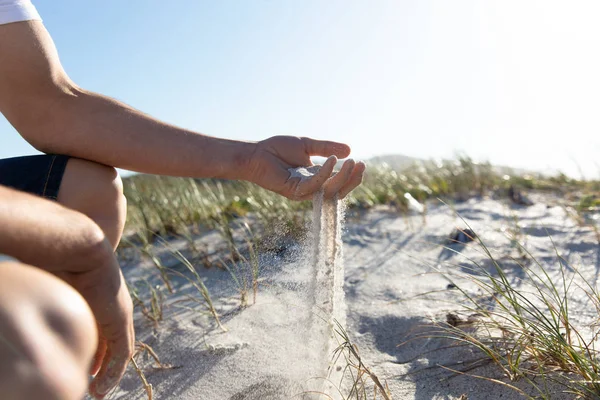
140	348
526	327
146	250
517	239
196	281
222	222
589	202
364	383
163	271
240	279
244	270
153	312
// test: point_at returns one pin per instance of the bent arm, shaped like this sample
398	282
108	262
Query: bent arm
56	116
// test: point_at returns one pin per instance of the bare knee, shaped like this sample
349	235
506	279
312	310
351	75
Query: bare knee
97	191
48	340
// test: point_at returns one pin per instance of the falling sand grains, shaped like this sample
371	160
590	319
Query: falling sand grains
322	299
327	268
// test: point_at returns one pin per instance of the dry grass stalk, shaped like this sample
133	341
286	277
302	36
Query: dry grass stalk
147	386
360	374
140	348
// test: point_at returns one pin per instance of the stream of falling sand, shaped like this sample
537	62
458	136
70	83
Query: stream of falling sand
327	270
327	263
325	299
328	275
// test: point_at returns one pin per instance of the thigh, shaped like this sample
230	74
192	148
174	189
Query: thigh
40	175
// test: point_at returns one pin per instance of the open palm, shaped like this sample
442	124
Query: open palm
269	164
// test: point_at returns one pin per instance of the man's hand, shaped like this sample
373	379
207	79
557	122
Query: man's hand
69	245
104	289
268	167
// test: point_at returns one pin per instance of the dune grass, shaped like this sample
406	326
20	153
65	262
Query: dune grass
526	327
522	339
364	384
196	281
244	270
154	311
166	206
143	348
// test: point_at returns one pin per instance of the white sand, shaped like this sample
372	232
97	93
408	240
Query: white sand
327	285
387	261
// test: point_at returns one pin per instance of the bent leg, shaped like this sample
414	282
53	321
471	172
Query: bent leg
48	336
93	189
97	191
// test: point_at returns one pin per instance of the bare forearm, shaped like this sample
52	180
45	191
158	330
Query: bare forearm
42	233
56	116
94	127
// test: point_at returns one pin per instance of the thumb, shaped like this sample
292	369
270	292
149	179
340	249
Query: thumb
325	148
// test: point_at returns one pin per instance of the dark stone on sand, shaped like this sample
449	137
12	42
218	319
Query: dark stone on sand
453	319
462	236
517	197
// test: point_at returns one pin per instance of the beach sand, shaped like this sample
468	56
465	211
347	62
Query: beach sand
274	350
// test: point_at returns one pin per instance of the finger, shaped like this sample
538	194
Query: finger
113	368
325	148
314	184
118	332
335	183
355	180
132	336
99	356
97	389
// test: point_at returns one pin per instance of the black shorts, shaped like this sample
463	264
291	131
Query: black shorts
39	175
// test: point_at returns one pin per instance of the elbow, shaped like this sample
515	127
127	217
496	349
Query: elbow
42	116
39	143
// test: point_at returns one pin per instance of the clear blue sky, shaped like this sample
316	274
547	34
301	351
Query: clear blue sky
515	82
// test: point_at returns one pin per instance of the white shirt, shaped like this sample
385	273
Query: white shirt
17	10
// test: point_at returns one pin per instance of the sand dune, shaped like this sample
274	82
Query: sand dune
272	350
